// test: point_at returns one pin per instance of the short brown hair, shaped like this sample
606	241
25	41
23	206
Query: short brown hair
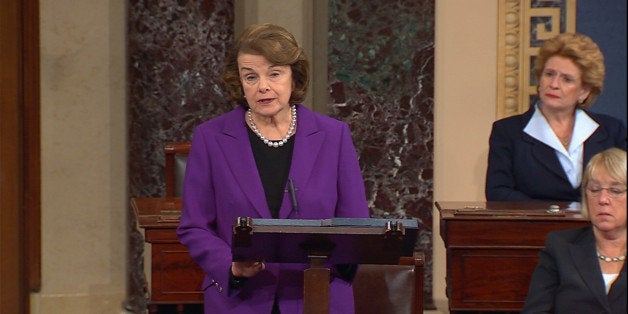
584	53
277	45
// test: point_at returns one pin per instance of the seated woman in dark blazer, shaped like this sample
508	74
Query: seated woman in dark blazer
584	270
539	155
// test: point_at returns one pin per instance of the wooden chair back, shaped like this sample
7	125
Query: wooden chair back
390	288
176	154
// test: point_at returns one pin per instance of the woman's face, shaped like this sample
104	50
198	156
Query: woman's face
267	87
560	85
606	201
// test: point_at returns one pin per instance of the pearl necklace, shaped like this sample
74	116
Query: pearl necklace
293	124
611	259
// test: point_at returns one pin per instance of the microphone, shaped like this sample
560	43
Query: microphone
293	196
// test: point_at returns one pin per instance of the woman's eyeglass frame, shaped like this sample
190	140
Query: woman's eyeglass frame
613	192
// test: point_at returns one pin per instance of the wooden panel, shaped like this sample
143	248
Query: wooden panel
31	144
492	250
488	277
11	233
176	278
19	154
483	232
159	236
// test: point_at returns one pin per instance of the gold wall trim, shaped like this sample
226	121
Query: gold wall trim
521	28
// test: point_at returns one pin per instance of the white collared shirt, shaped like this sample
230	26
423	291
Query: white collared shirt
608	280
571	158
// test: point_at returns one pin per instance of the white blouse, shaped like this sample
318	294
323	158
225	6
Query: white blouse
608	280
571	158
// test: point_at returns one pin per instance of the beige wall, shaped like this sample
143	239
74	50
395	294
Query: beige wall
83	154
465	92
83	117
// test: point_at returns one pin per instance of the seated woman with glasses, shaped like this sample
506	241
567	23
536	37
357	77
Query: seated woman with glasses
584	270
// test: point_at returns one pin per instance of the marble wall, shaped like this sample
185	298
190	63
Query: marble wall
176	51
380	78
381	81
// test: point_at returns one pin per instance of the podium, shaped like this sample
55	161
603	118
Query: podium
323	242
492	249
176	279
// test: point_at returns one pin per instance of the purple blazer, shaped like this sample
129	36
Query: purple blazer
222	183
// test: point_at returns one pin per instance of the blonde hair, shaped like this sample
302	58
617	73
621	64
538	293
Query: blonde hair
613	160
279	47
584	53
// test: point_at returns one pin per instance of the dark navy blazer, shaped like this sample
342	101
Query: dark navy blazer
568	278
522	168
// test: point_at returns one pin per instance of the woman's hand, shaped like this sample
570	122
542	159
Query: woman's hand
247	268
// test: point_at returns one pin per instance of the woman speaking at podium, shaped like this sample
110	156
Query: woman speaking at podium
271	157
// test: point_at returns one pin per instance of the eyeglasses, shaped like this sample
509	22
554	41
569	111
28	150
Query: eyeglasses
612	192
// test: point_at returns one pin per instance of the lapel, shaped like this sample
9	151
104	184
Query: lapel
618	289
234	143
236	147
582	252
544	154
307	145
595	143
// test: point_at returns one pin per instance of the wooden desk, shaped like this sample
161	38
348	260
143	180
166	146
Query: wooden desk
492	250
175	278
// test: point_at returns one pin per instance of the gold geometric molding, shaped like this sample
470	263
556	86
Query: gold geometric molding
523	25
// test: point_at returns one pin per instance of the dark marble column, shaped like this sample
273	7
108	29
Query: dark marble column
176	52
381	79
176	55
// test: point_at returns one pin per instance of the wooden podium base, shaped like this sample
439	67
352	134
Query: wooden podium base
316	287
